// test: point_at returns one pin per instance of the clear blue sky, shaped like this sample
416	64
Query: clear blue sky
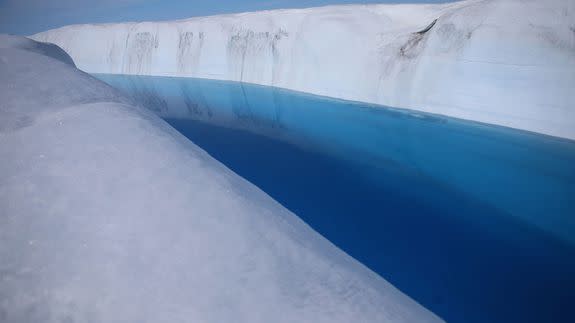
26	17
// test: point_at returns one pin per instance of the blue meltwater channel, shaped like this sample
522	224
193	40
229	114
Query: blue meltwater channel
475	222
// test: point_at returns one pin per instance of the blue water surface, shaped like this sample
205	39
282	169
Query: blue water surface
475	222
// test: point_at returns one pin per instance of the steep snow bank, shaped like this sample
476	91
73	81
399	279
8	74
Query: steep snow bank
47	49
109	215
506	62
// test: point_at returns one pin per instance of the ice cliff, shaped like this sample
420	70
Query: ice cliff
107	214
505	62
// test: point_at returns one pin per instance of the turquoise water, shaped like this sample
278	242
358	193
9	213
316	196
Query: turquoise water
475	222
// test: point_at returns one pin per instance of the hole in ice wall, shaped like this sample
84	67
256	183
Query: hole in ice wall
474	222
426	29
413	45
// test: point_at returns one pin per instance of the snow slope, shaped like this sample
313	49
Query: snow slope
107	214
505	62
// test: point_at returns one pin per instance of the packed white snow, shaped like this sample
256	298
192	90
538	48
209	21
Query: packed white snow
505	62
107	214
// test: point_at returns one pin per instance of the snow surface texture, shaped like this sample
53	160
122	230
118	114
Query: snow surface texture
107	214
505	62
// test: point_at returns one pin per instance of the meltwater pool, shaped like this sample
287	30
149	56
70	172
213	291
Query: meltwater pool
475	222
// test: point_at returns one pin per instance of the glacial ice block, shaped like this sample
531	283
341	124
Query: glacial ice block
506	62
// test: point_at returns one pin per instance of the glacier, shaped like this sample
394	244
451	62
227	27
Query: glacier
503	62
107	214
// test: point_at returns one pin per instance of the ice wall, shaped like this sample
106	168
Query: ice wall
107	214
505	62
